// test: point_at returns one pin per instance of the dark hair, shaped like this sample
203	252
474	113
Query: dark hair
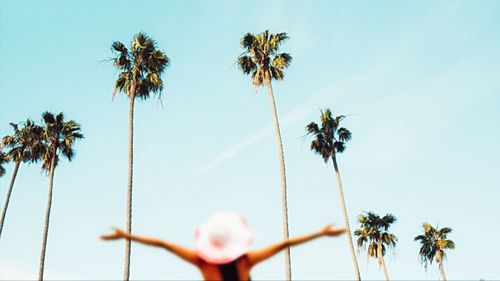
229	271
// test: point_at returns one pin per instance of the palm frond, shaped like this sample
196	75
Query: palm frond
248	40
60	118
261	39
122	83
389	239
312	128
154	82
119	47
121	61
48	118
276	73
3	160
246	64
258	76
339	146
326	117
387	220
316	146
275	41
7	141
428	229
362	239
282	61
157	62
141	42
362	219
372	250
142	90
420	238
444	231
344	134
14	126
449	244
337	120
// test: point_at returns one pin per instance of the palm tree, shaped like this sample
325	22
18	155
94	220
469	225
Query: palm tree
263	61
23	146
59	137
373	231
140	70
434	244
328	141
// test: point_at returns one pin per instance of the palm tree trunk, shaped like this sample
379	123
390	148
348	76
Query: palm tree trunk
441	269
6	204
47	218
381	260
346	218
288	269
128	227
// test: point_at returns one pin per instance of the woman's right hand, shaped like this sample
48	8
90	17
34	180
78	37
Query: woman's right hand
117	234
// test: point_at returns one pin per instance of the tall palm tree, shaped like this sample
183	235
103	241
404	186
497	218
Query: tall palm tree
434	244
329	140
140	69
373	231
23	146
263	61
59	137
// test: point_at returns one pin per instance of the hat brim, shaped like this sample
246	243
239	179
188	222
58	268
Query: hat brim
239	238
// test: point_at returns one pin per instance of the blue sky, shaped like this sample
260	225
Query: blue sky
418	81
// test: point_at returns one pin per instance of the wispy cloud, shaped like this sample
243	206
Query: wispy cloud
387	61
300	112
233	150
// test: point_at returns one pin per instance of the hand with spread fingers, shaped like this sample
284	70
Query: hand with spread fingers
329	230
117	234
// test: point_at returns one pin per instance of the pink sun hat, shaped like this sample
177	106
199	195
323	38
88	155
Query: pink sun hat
223	238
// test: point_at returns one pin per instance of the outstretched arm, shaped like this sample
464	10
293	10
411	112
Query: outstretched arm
257	256
184	253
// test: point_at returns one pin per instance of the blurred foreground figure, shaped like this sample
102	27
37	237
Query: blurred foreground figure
222	249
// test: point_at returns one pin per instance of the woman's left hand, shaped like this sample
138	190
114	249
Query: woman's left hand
117	234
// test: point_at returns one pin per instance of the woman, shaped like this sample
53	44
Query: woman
222	250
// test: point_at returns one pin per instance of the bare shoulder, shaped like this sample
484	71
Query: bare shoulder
244	265
245	260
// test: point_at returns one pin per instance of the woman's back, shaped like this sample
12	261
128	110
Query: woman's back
233	271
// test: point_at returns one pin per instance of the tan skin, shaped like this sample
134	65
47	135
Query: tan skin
244	263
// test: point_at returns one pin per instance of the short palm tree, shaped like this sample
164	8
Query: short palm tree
59	137
262	60
374	236
434	244
140	69
23	146
330	139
